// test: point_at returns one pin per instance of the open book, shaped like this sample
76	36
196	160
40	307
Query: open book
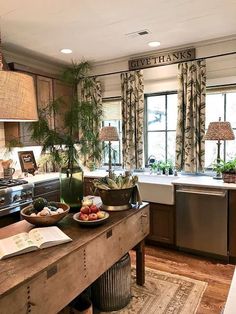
37	238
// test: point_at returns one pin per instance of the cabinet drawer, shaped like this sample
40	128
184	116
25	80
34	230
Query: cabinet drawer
46	187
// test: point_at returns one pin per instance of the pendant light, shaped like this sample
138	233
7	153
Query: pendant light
17	96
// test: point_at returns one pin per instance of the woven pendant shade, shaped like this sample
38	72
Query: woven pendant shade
219	131
17	96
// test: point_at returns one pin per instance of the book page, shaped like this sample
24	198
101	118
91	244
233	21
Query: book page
17	244
48	236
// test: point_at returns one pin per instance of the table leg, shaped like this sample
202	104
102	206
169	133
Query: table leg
140	263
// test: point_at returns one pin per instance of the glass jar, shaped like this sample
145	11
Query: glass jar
71	185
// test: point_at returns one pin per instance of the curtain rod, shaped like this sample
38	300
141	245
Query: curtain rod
195	59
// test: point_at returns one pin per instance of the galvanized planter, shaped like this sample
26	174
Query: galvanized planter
112	291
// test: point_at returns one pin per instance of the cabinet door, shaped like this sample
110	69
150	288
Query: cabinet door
64	91
49	190
232	225
45	96
89	188
161	223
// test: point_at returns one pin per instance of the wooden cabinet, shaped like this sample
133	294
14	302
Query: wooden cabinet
232	225
89	188
48	189
48	88
162	223
64	92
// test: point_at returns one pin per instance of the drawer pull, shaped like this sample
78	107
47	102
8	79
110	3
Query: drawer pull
109	233
51	271
144	215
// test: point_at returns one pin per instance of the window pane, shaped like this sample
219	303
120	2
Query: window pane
214	108
231	148
171	111
171	141
156	113
231	108
156	145
211	153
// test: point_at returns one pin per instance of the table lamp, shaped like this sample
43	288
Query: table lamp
219	131
109	133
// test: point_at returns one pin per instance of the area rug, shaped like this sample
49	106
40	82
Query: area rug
163	293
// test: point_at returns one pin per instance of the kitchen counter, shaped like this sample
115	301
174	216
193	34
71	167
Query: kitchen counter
203	181
42	177
145	177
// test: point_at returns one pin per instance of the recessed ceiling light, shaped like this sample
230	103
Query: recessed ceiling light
154	43
66	50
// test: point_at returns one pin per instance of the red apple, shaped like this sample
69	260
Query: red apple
93	209
92	216
85	210
84	217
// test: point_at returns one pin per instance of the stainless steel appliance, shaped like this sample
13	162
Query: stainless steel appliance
202	219
14	194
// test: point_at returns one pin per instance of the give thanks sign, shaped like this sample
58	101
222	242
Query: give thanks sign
163	58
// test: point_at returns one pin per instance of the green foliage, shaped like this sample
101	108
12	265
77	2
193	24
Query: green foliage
225	167
79	121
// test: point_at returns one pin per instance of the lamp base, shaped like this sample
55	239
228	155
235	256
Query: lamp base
218	176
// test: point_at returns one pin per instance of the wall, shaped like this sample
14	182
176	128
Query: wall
221	70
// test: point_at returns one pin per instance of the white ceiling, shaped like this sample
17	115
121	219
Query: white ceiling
96	30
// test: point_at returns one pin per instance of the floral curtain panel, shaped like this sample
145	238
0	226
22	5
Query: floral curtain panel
132	103
91	92
190	146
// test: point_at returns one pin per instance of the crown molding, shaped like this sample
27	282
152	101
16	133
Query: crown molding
198	44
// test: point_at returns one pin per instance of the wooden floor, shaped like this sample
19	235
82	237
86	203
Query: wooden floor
216	274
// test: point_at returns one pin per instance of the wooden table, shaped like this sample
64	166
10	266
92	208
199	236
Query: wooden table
45	281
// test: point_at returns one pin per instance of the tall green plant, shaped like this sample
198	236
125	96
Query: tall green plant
80	121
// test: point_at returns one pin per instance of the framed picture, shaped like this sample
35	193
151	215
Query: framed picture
27	161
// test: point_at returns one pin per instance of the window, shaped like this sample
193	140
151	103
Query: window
220	104
112	116
160	126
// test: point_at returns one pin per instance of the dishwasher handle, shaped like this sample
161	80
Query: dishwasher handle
212	193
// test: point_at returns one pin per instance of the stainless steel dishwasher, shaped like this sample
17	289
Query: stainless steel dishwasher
202	219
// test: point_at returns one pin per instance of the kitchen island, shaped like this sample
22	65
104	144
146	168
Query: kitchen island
45	281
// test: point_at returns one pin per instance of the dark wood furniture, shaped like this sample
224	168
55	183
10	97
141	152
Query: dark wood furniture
162	227
232	226
45	281
48	189
48	88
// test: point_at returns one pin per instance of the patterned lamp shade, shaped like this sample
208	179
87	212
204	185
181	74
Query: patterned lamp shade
17	97
109	133
219	131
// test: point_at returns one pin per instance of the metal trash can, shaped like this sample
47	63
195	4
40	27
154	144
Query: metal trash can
112	290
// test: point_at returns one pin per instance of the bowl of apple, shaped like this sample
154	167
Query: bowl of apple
90	215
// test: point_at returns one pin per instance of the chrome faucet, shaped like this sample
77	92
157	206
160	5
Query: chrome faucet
151	160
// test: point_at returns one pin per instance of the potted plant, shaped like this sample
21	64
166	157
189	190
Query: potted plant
77	140
227	169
